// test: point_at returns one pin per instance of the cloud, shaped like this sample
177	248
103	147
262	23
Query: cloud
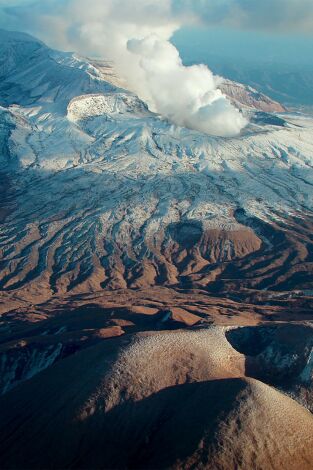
270	15
267	15
187	96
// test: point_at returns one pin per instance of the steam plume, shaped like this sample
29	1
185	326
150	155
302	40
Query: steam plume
187	96
135	35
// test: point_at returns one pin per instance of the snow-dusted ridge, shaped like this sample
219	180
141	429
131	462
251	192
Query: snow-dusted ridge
100	192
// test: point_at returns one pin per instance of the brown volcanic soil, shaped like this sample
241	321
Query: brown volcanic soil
155	400
88	383
254	255
157	378
72	323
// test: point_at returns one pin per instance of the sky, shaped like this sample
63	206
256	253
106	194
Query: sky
252	46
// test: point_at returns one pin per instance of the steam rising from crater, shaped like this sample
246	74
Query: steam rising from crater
135	34
188	96
136	37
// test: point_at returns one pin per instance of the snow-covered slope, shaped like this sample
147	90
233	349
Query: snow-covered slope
98	192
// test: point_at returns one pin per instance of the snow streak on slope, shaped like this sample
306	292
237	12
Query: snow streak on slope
100	192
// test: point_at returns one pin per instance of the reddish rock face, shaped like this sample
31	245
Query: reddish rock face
245	96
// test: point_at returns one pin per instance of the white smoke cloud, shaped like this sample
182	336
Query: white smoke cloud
187	96
267	15
135	35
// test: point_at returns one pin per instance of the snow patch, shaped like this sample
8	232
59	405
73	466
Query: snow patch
86	106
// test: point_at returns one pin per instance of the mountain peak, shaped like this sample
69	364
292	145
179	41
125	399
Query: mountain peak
17	36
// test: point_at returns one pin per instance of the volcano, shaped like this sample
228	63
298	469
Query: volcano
156	283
